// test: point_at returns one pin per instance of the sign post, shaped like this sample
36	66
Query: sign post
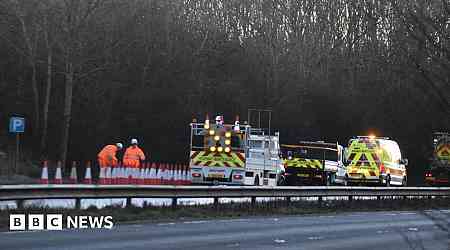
17	126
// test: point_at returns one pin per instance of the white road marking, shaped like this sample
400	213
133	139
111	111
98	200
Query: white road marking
195	222
166	224
19	232
413	229
408	213
279	241
315	238
233	245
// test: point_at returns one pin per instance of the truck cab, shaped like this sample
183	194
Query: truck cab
263	163
438	174
231	154
314	163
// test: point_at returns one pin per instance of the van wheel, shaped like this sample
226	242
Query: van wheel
328	180
282	181
388	180
257	181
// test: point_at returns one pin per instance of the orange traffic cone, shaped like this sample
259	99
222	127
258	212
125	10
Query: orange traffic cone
44	174
113	175
120	174
158	175
141	178
188	175
172	175
58	174
183	175
101	176
146	174
88	174
178	175
152	175
108	175
73	173
164	174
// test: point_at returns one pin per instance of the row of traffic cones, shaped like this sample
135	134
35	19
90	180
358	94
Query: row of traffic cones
148	174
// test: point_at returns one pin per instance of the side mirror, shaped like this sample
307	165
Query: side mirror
404	162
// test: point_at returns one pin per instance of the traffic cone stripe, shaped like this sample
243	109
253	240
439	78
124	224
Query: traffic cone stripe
44	174
88	174
58	174
73	174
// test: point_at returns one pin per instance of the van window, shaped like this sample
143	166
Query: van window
391	151
255	144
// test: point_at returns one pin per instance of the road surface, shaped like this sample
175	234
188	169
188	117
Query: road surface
359	230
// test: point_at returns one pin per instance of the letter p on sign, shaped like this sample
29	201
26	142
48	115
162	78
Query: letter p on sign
17	125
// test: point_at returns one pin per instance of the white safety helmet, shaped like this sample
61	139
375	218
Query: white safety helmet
119	145
134	141
219	119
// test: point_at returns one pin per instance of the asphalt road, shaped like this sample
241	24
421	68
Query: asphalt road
367	230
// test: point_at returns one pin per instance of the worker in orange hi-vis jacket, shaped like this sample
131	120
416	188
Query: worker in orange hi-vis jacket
132	161
107	158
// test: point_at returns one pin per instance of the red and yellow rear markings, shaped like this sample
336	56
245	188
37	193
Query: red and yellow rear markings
216	159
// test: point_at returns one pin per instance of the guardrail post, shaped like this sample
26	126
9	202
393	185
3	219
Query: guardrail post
320	201
350	198
216	202
19	204
174	203
128	202
77	203
253	201
288	200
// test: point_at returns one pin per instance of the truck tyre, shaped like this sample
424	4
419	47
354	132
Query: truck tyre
388	181
282	181
327	179
256	180
345	183
404	182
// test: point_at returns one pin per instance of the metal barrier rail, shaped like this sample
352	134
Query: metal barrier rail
78	192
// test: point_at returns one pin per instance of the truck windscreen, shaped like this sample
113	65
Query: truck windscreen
310	153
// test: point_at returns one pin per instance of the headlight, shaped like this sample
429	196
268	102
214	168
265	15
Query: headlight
211	132
228	134
227	142
227	149
216	138
219	149
212	149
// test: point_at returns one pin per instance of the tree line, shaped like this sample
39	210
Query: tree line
90	72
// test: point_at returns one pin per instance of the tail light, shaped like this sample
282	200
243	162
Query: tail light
196	175
428	174
237	177
382	169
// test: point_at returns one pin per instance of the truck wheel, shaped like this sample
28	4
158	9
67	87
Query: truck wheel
257	180
345	183
282	181
404	182
328	180
388	180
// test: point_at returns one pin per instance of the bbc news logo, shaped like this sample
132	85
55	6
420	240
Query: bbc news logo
56	222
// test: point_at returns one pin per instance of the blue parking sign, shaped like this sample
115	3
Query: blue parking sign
17	125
